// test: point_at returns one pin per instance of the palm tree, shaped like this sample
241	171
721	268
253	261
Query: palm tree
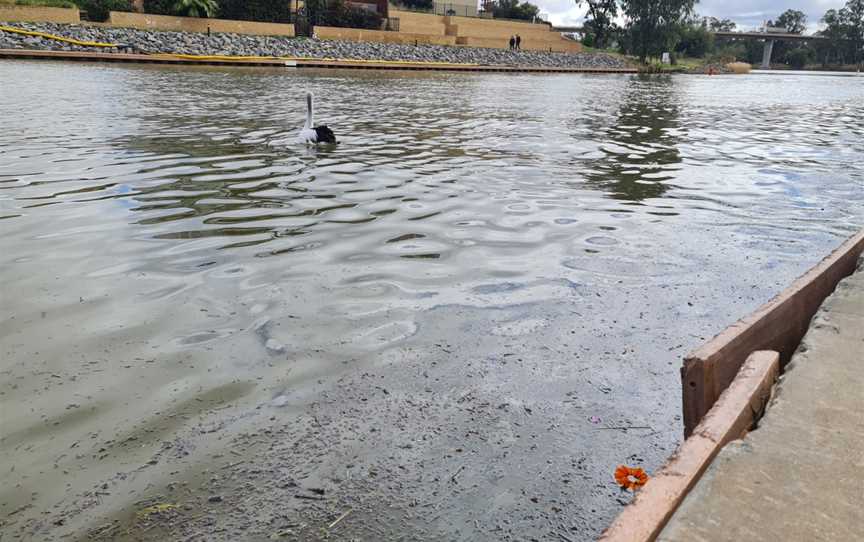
196	8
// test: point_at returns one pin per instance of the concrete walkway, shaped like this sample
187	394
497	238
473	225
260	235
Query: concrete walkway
800	475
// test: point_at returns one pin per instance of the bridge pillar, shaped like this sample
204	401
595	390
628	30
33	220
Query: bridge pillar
766	54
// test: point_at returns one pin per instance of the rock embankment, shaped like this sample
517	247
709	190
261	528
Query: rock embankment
146	41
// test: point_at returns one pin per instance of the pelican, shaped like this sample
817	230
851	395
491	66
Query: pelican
317	134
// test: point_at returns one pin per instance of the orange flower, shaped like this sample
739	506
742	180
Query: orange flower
629	478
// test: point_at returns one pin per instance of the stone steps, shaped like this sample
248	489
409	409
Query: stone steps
516	27
470	31
560	46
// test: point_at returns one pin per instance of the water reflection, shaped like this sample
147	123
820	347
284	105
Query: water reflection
552	241
640	144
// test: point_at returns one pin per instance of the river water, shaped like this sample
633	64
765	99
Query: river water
453	325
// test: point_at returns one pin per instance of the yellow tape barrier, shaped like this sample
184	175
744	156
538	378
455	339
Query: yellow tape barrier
226	57
57	38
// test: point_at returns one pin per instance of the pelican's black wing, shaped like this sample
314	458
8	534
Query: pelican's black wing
325	135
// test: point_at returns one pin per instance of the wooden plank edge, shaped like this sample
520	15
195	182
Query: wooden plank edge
779	325
731	417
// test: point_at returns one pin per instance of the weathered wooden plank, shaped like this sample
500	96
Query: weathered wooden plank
731	417
778	325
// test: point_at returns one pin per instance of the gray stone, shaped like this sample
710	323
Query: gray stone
234	44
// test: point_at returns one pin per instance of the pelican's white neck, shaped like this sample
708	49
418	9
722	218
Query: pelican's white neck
309	112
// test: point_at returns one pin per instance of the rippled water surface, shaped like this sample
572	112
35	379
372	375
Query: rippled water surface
168	250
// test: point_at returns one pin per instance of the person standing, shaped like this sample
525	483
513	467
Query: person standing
512	43
518	43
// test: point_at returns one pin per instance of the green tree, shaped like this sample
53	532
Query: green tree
855	30
799	57
794	21
653	25
837	31
694	39
601	20
719	25
196	8
315	11
514	9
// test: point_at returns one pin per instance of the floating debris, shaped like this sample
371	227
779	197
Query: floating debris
158	508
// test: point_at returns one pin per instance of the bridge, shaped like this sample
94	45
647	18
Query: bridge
784	36
769	35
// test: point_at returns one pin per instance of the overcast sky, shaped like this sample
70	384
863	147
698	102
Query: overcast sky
746	13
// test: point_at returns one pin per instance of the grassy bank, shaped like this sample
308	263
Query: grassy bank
695	66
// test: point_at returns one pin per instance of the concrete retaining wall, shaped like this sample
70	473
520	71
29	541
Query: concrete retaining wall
492	33
381	36
487	33
470	24
419	23
146	21
34	14
540	33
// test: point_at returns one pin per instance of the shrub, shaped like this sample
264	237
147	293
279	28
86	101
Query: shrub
798	58
159	7
728	53
196	8
694	41
97	10
46	3
337	13
513	9
739	67
345	16
425	5
654	66
270	11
